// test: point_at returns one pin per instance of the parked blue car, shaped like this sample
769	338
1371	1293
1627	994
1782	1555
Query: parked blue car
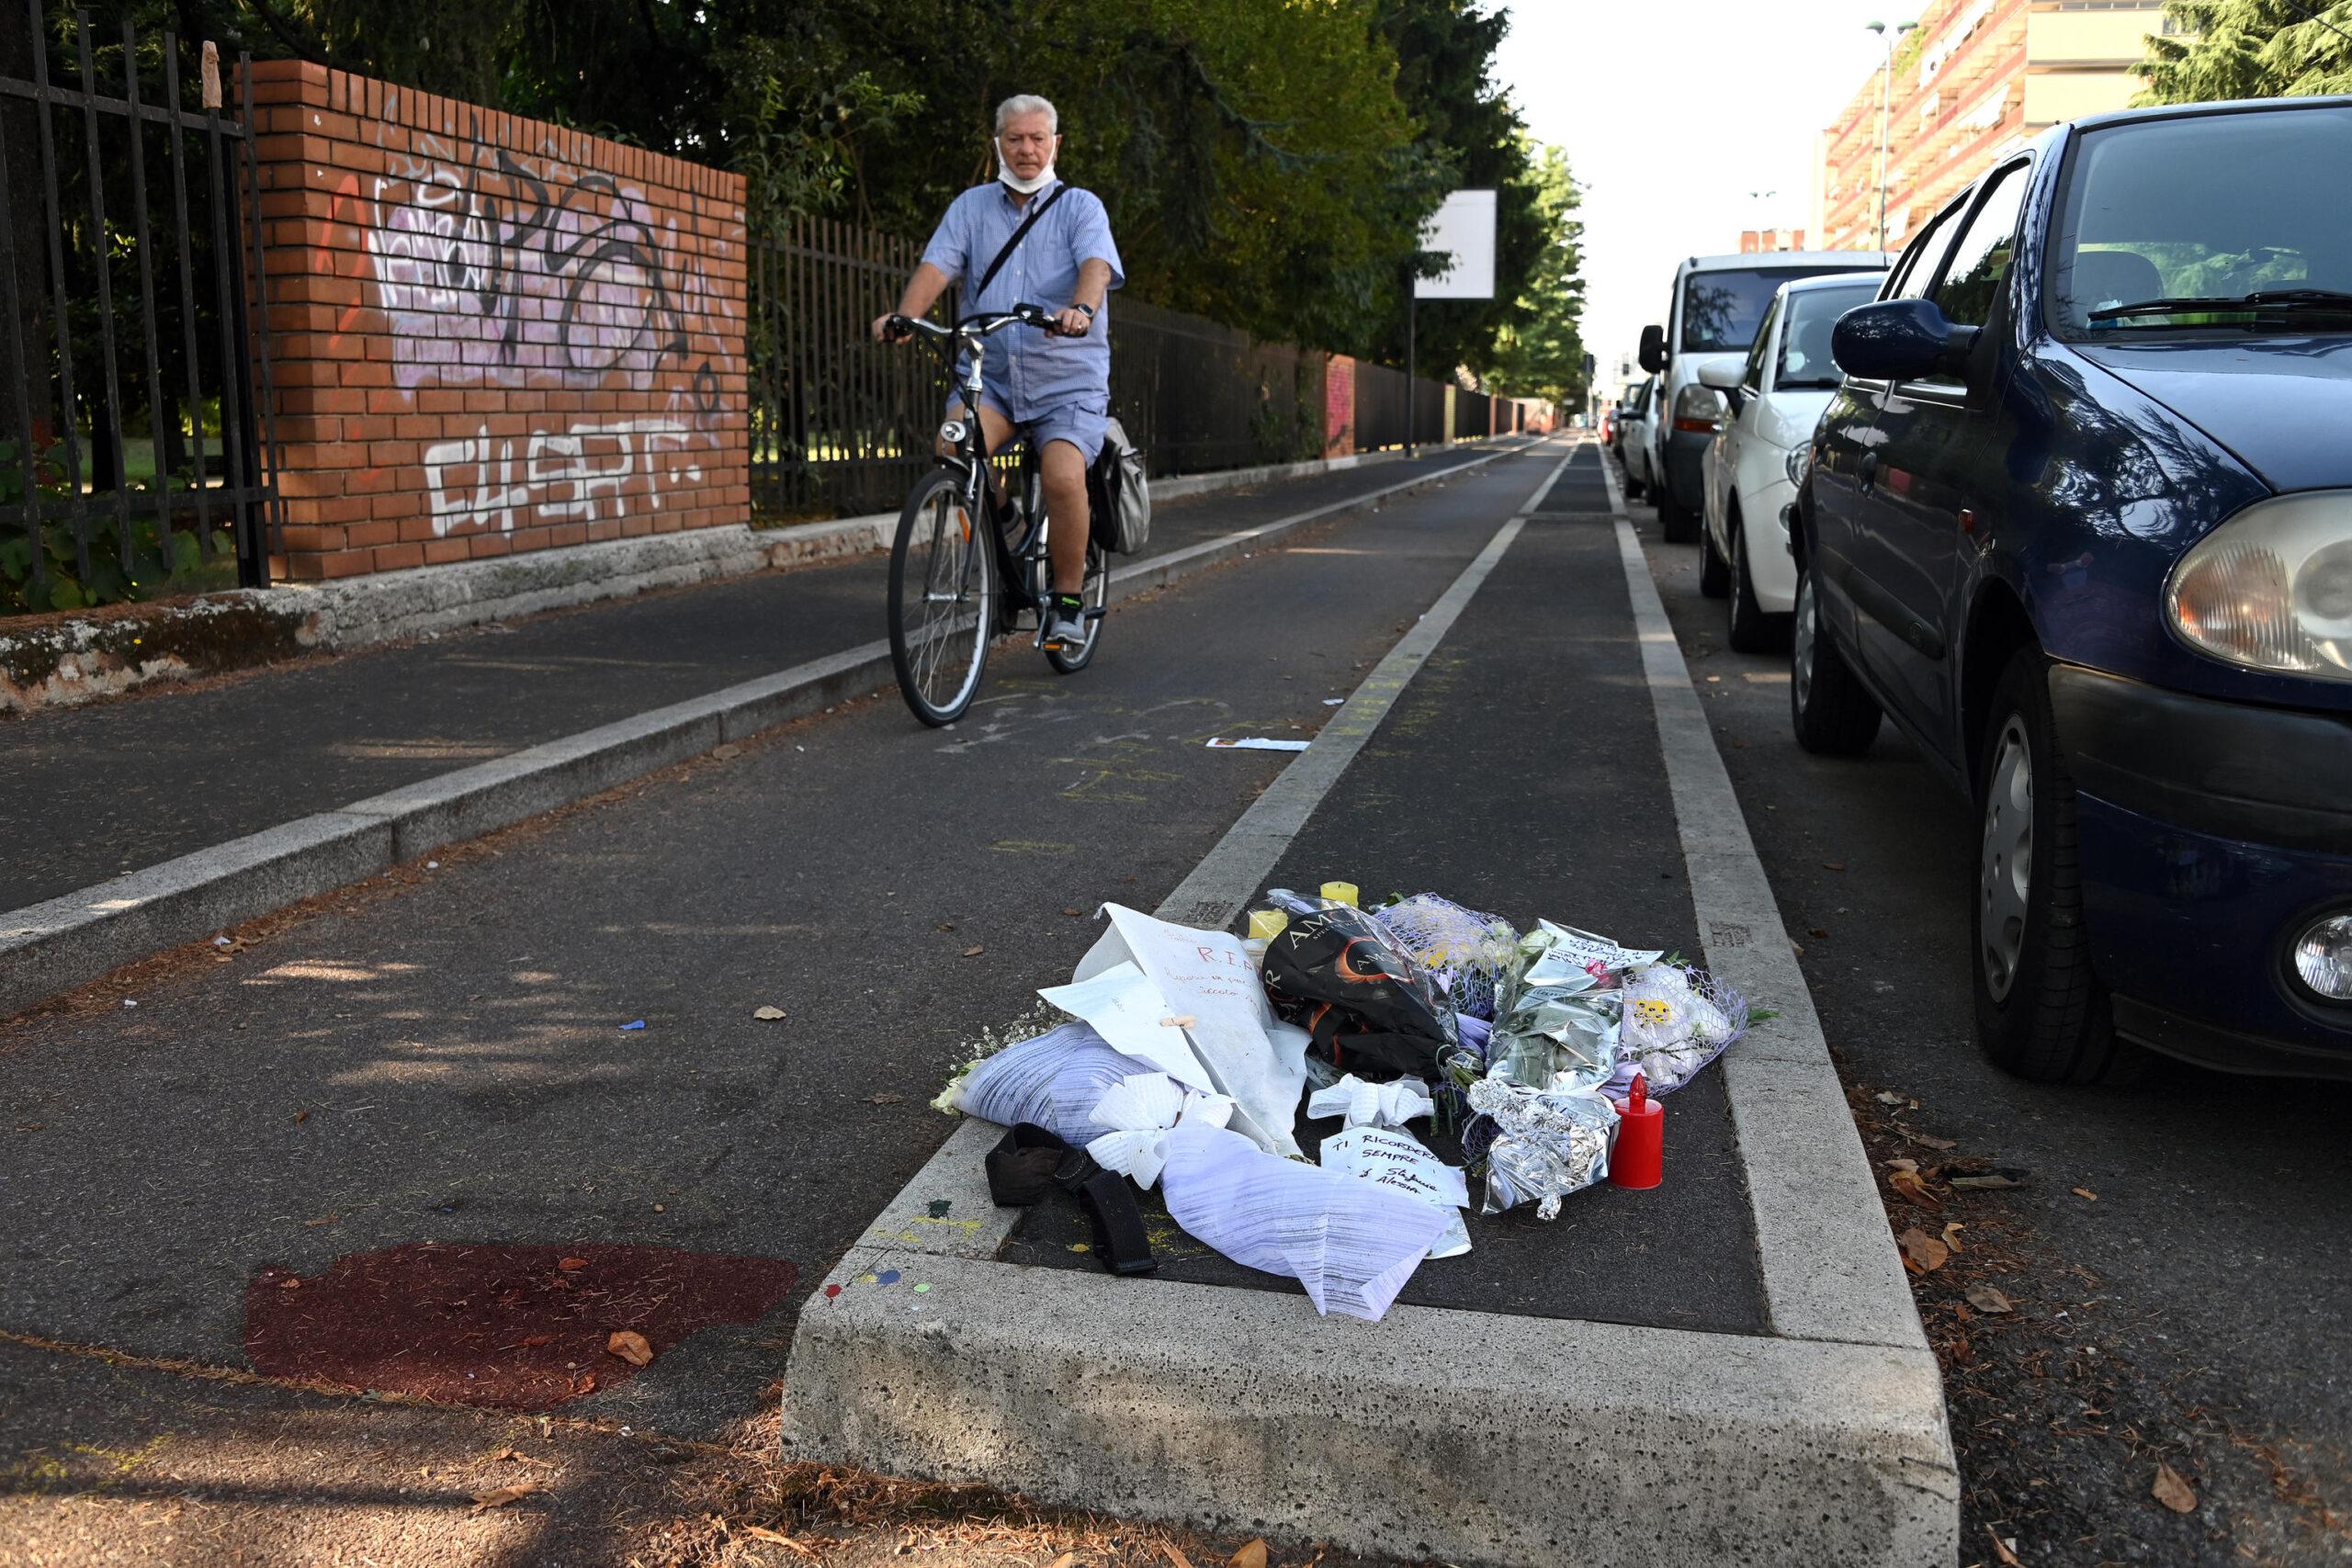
2080	520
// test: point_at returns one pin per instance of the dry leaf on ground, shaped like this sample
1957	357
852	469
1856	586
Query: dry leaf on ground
571	1264
2086	1193
1995	1182
1886	1097
768	1014
1923	1253
499	1496
1175	1555
2172	1490
1988	1298
884	1098
975	950
2001	1552
1250	1556
1942	1145
1903	1175
1067	1559
1950	1238
630	1345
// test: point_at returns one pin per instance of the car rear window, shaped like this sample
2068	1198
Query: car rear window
1805	341
1722	309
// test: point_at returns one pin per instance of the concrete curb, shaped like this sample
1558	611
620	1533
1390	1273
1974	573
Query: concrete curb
1545	1440
52	946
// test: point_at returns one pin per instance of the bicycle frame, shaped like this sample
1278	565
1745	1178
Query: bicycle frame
970	462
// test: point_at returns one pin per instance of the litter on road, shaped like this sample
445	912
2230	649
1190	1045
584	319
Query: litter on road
1257	743
1196	1061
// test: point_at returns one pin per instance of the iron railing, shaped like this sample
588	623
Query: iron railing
842	425
129	228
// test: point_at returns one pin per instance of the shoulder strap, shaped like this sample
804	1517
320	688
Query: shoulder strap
1019	234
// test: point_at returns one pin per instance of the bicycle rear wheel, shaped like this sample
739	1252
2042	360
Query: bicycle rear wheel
943	601
1096	591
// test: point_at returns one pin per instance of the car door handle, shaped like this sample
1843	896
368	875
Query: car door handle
1869	469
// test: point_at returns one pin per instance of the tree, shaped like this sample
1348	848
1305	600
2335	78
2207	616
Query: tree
1539	352
2248	49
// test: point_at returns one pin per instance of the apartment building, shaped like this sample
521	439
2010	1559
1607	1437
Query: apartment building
1974	80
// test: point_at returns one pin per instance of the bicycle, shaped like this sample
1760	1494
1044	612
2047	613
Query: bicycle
950	597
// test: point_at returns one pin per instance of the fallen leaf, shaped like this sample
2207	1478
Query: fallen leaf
975	950
300	1117
321	1219
1254	1555
584	1383
777	1538
1816	932
1942	1146
1994	1183
499	1496
1887	1097
1833	866
2086	1193
534	1341
570	1264
1073	911
630	1345
1065	1561
290	1284
1174	1556
1989	1299
2001	1552
2172	1490
1903	1175
726	754
1951	1237
768	1014
947	928
884	1098
1797	948
1923	1253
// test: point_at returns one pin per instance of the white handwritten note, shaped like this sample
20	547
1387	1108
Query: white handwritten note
1395	1160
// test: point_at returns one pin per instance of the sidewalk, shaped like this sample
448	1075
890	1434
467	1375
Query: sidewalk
98	791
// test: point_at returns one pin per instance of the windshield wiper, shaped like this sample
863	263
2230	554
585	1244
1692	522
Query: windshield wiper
2324	301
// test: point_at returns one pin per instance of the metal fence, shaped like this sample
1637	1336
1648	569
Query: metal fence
842	425
134	426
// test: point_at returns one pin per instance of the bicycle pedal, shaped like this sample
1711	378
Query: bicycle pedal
1096	614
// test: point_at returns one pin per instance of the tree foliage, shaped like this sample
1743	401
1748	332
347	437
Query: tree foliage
2222	50
1539	347
1268	162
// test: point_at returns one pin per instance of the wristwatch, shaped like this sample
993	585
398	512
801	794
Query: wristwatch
1088	308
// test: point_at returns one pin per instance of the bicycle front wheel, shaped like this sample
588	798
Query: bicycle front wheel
943	601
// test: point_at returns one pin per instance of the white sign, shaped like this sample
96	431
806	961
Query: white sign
1464	232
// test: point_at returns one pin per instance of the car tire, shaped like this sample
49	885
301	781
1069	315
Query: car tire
1832	712
1677	523
2041	1010
1714	576
1753	628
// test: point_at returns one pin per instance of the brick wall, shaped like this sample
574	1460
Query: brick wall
490	335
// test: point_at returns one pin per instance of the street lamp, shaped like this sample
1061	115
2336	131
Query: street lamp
1885	86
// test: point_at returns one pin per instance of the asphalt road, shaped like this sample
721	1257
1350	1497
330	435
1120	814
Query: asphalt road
439	1055
2196	1312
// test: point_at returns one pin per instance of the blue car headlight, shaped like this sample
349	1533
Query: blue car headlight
2323	957
2271	589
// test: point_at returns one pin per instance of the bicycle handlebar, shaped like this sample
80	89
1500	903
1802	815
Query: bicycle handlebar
983	324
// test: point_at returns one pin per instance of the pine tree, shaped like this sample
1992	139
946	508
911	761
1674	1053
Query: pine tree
2222	50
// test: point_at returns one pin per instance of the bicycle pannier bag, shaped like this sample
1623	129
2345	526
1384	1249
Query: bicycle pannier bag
1120	495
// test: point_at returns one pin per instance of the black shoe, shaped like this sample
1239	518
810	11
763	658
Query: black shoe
1066	622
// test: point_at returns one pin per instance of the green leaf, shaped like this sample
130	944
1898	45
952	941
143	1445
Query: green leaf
184	554
66	594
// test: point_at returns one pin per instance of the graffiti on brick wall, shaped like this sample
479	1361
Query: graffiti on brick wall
584	473
508	271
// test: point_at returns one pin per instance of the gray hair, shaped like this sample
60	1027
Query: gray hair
1027	103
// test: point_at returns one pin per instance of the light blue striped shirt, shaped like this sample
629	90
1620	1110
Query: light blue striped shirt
1032	369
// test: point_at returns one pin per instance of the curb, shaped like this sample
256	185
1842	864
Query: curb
53	946
1821	1441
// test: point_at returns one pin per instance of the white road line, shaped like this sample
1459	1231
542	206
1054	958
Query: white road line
1224	880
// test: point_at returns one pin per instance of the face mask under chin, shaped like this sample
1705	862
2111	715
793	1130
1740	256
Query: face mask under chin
1029	186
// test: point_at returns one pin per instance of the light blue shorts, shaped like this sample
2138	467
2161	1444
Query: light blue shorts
1079	423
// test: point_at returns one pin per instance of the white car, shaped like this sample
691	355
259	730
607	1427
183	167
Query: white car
1633	438
1750	472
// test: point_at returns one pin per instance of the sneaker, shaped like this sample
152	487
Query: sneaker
1066	622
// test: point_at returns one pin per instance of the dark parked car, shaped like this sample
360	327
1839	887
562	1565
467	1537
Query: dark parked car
2080	520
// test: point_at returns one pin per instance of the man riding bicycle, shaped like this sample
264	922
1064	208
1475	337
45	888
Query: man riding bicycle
1058	386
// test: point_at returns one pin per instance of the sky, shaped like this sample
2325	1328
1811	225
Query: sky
1672	112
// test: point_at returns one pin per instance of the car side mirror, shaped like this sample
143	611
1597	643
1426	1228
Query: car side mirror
1900	340
1653	350
1720	377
